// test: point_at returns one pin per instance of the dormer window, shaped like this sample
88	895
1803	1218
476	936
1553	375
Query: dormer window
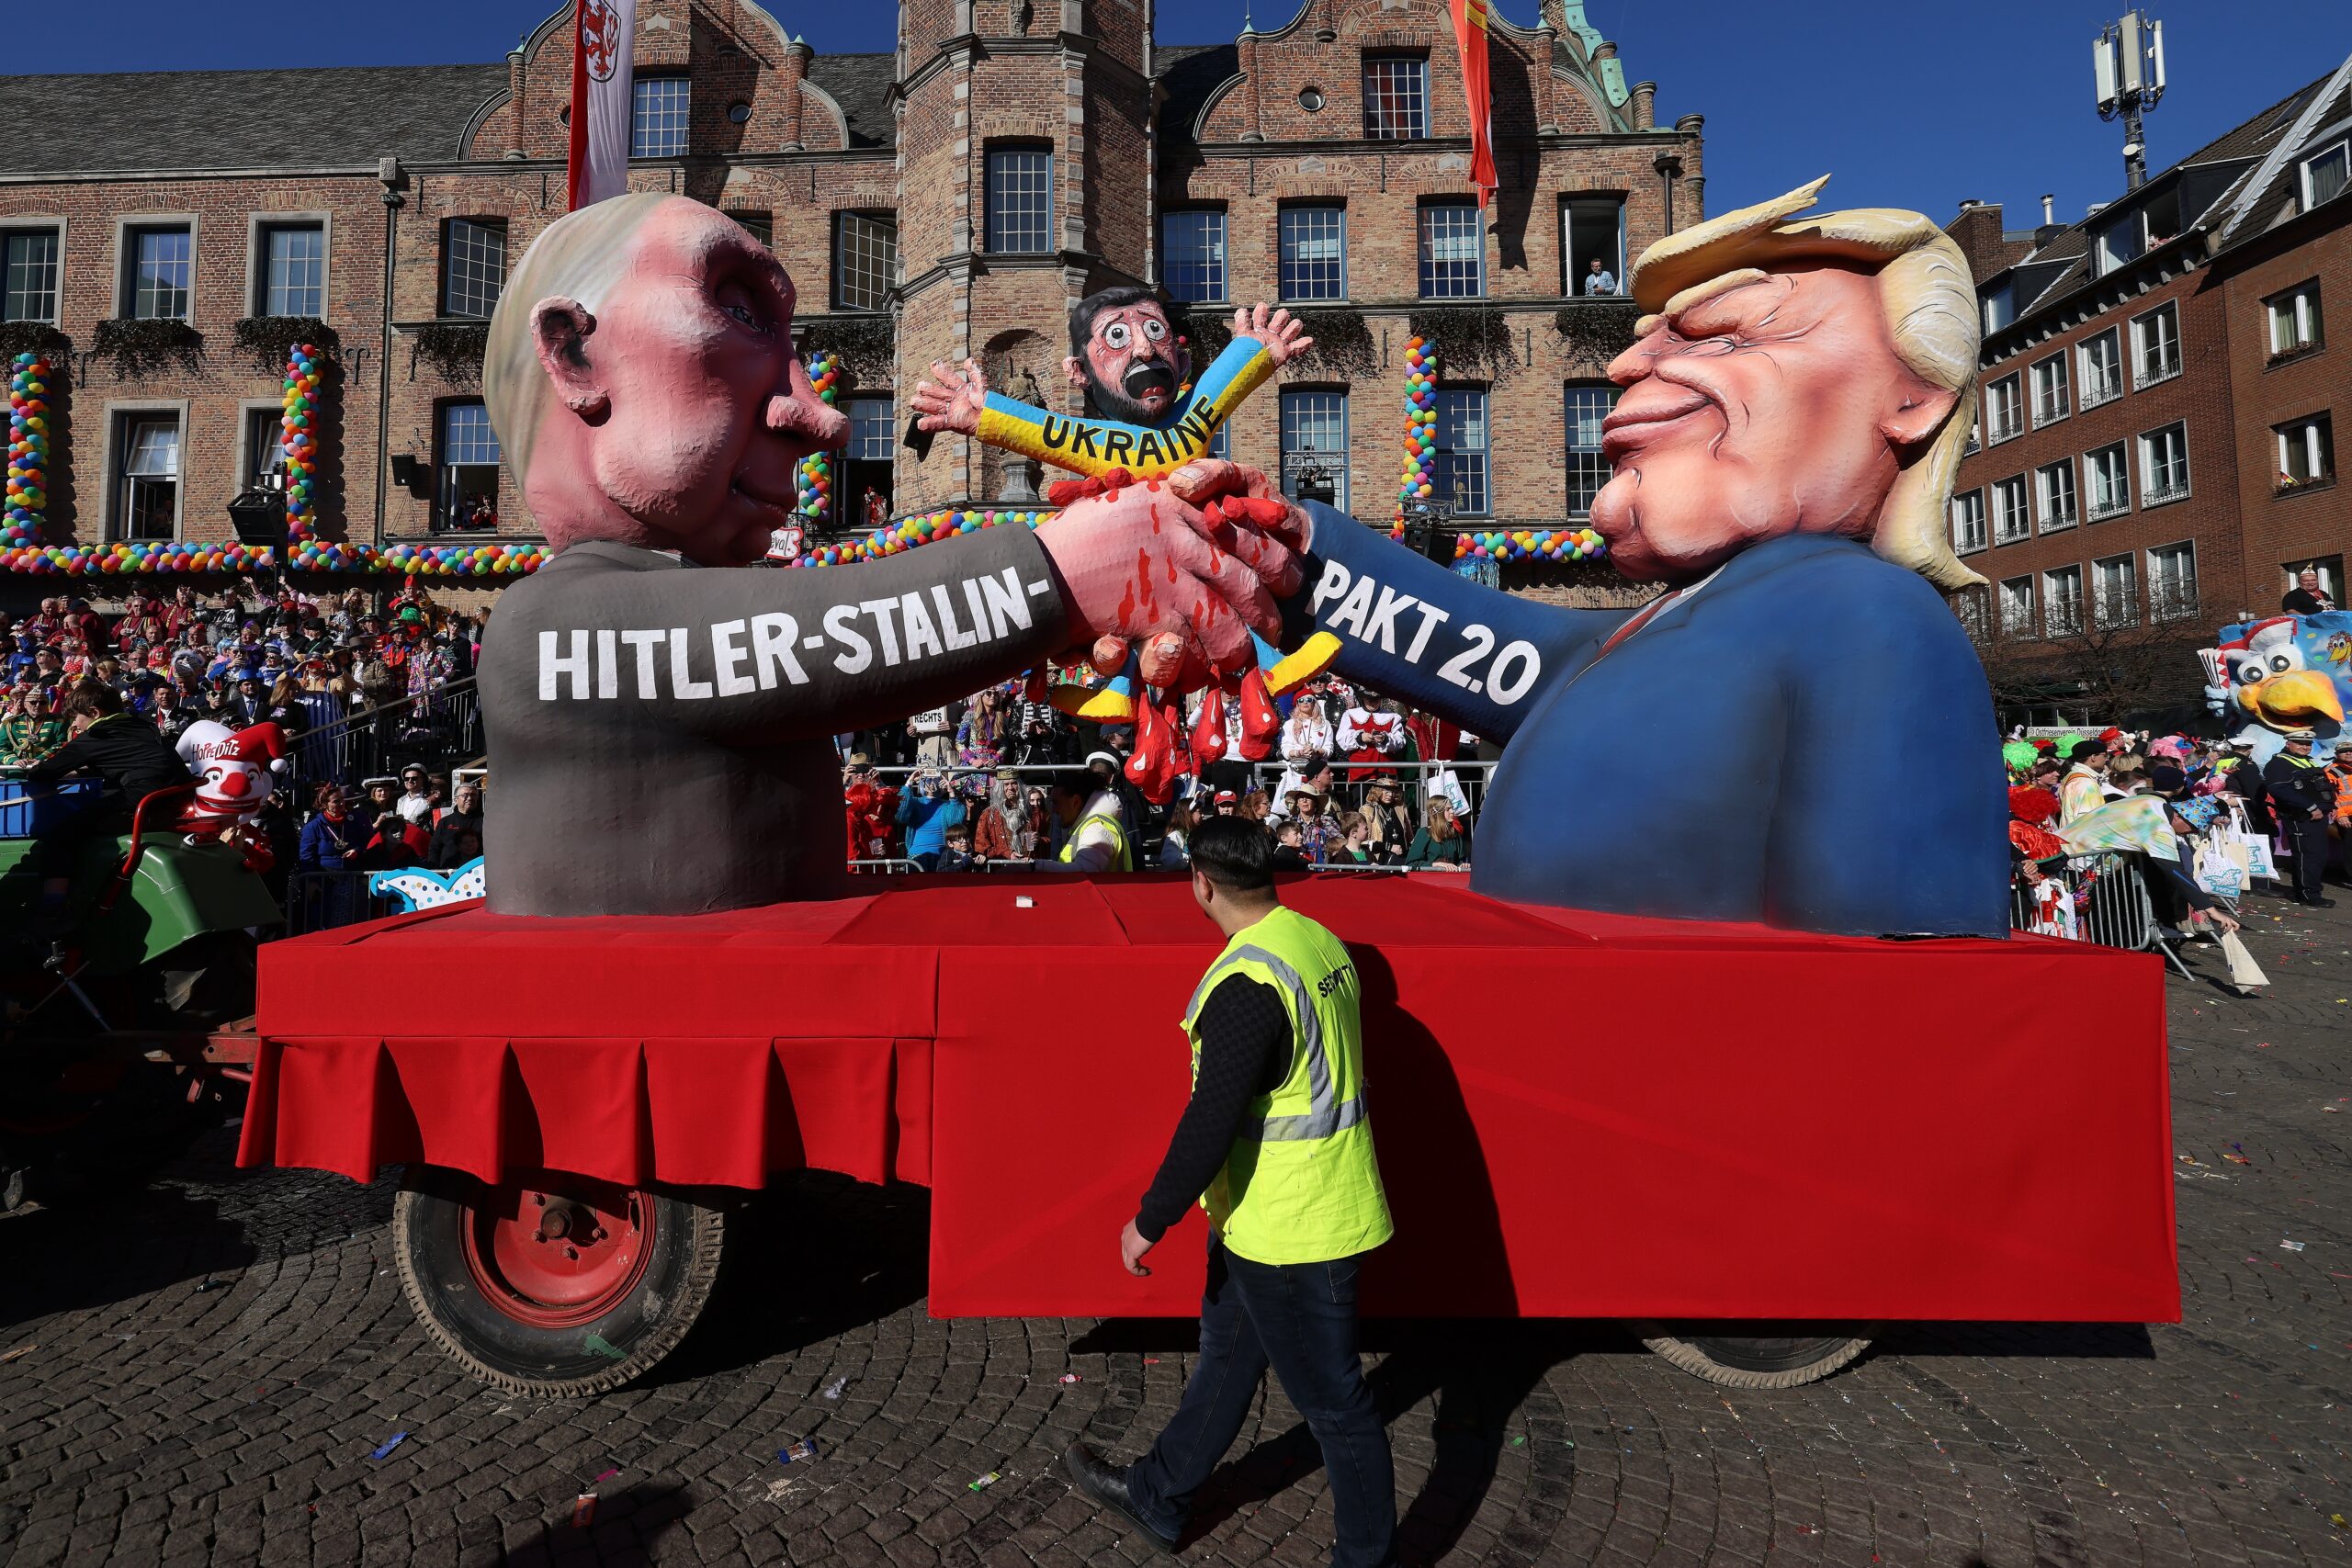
2326	173
2000	306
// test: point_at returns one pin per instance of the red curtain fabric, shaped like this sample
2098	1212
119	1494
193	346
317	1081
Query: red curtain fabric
1575	1114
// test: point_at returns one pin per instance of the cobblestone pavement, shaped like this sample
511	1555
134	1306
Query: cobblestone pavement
201	1371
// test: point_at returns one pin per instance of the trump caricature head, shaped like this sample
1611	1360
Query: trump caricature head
1791	377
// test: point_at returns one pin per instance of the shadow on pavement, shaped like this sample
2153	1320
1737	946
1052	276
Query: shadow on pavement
104	1250
626	1525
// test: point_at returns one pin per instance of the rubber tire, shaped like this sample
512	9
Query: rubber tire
646	1325
1732	1362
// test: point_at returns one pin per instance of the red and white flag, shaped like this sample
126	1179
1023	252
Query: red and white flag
1470	36
602	65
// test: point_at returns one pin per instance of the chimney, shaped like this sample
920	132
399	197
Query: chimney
515	104
1644	106
2049	206
796	56
1977	230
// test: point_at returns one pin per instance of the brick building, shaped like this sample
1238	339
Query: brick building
2156	450
951	198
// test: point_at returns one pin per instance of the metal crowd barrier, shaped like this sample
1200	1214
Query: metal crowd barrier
1411	777
322	900
437	727
2117	911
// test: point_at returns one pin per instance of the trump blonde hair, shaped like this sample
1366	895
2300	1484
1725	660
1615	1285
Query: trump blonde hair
1930	303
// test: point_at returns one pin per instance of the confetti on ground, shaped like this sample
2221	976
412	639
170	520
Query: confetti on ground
1069	1378
606	1476
985	1482
799	1450
833	1389
19	1350
2291	1245
395	1440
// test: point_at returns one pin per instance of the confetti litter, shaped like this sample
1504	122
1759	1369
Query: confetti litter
1518	1442
2290	1245
583	1511
985	1482
778	1490
395	1440
1070	1377
597	1345
799	1450
606	1476
1151	1360
2237	1159
19	1350
833	1389
211	1284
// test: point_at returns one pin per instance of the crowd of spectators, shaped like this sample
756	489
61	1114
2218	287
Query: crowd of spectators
1005	779
330	669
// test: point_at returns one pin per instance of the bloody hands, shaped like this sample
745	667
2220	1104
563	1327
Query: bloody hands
1173	568
955	401
1284	334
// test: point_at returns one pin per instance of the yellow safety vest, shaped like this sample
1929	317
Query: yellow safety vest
1126	861
1301	1184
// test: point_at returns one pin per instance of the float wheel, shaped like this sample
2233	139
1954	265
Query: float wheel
554	1286
1754	1361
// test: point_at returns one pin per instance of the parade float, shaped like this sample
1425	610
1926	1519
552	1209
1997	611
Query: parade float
1706	1066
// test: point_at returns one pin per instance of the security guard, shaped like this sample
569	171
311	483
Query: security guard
1275	1145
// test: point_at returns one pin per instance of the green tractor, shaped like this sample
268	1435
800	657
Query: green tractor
130	1032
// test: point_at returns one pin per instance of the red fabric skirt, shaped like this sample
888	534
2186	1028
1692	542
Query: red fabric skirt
1575	1114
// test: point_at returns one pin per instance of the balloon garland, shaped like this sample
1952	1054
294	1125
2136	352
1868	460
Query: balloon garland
311	555
28	493
908	533
1531	544
1420	477
817	468
301	442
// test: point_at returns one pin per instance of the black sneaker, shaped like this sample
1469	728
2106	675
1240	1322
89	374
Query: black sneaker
1107	1485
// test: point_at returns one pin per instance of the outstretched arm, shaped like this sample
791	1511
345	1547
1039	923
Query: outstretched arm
1475	656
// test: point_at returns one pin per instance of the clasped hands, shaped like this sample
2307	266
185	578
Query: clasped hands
1180	570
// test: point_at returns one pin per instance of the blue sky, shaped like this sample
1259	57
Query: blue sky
1909	105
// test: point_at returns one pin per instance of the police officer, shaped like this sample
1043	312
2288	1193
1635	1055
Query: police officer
1275	1145
2300	794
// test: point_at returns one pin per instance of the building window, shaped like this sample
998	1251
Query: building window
869	430
864	468
2115	592
2164	465
163	270
761	225
468	496
2294	319
474	266
2102	365
2326	173
264	448
1975	612
2004	409
2017	607
2125	240
1462	466
2000	306
1314	252
147	489
1315	445
1976	430
29	276
2054	495
2155	346
866	260
2050	403
1020	201
1588	467
1454	250
2062	601
1221	442
1192	256
2306	452
2172	581
2329	570
1595	232
1395	97
2105	479
2009	523
657	117
293	270
1968	522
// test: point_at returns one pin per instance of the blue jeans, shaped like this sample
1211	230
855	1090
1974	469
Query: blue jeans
1299	1318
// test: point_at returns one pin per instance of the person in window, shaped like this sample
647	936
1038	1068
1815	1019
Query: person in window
2307	597
1598	279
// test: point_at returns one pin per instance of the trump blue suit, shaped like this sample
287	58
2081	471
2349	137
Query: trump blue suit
1807	733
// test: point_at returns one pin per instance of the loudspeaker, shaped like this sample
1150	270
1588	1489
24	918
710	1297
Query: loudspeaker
259	518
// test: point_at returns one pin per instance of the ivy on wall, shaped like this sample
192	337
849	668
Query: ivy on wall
264	340
1597	332
866	346
34	337
454	349
135	349
1344	348
1473	342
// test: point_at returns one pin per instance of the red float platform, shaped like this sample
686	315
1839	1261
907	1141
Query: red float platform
1578	1114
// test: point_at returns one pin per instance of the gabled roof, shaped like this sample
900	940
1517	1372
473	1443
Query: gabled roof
314	117
861	84
1191	73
